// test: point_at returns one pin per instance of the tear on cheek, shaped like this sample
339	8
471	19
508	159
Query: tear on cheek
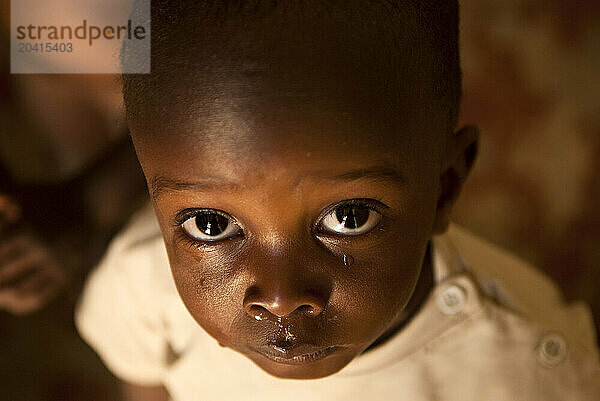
347	259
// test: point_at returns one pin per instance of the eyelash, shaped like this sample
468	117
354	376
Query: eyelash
186	214
375	204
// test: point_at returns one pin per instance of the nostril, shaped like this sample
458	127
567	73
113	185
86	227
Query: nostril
307	309
312	309
280	303
257	312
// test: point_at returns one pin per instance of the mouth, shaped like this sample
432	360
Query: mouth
295	355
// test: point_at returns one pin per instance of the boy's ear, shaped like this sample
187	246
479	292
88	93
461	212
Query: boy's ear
458	161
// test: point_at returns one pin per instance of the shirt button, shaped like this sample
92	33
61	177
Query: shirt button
551	350
451	299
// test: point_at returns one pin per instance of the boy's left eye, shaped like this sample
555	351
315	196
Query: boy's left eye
210	226
351	219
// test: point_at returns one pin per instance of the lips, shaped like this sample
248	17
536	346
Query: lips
295	354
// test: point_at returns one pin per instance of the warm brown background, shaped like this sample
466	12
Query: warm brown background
532	85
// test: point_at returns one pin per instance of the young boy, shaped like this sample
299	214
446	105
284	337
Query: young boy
302	161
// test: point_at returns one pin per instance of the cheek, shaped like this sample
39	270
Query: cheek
380	282
378	287
208	287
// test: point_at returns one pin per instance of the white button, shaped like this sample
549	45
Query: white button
451	299
551	350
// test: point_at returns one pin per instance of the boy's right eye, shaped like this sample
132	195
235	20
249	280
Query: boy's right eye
210	225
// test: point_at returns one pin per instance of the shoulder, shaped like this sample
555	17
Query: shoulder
141	230
137	256
122	310
518	286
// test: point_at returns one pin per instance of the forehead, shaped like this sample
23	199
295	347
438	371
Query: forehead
245	124
284	144
338	92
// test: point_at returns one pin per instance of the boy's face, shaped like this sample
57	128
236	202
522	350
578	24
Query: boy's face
296	217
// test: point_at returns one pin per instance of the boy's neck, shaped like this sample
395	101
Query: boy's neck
420	294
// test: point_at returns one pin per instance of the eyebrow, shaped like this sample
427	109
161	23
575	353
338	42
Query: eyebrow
161	184
385	174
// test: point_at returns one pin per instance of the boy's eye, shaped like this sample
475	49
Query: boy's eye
210	226
351	219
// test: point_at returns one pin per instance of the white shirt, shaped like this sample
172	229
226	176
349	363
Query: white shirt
492	329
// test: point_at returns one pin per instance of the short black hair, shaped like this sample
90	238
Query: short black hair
408	25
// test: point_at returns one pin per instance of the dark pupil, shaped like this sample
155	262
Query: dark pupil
211	223
352	216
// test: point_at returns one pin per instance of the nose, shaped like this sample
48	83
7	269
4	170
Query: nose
282	301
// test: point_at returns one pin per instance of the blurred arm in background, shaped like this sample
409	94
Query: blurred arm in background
29	273
68	178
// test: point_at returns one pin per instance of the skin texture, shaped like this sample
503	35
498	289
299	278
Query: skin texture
274	147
